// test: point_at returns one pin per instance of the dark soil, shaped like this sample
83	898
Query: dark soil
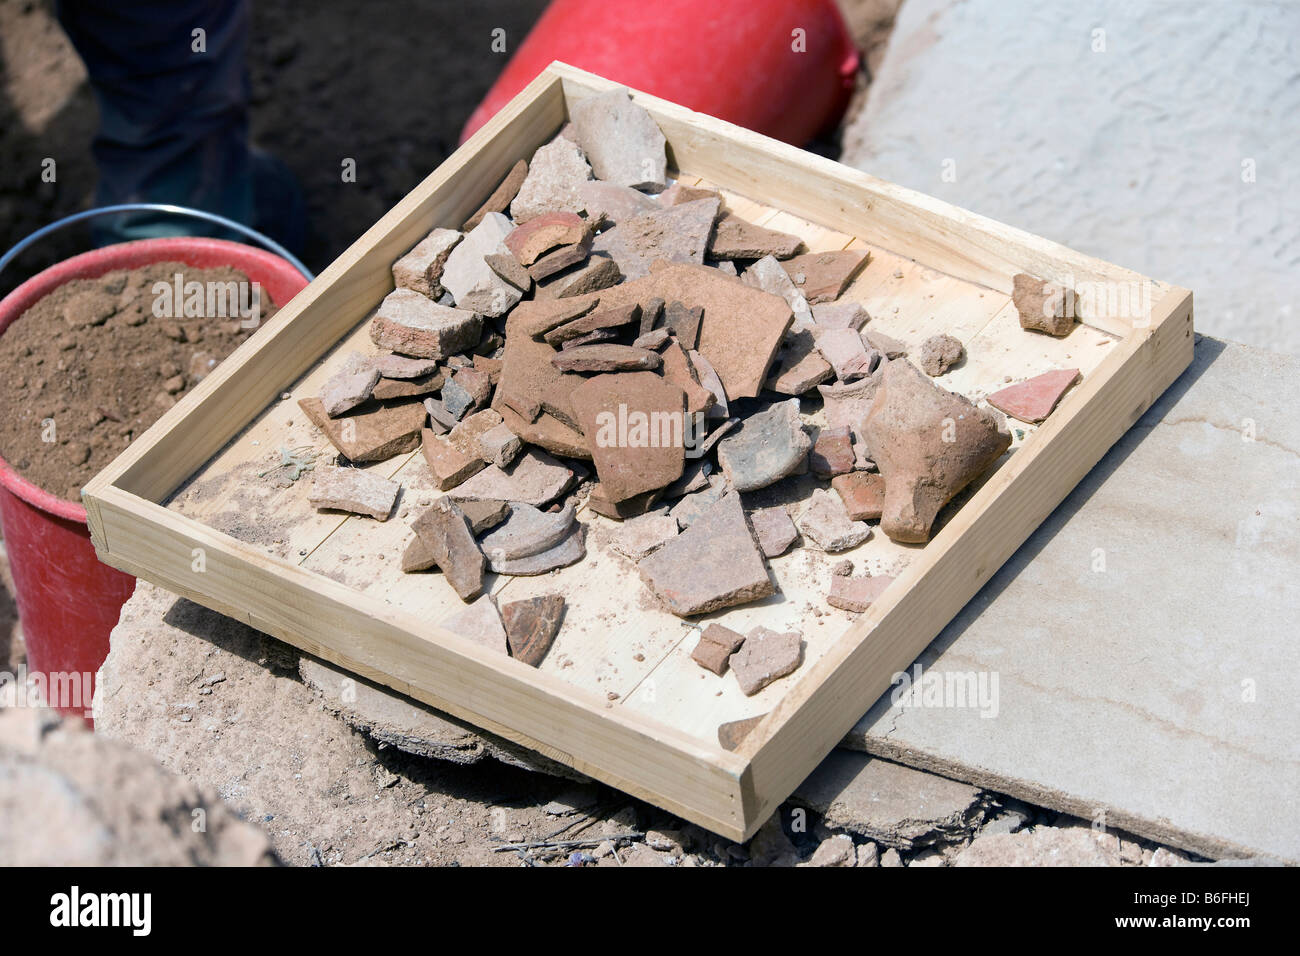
92	365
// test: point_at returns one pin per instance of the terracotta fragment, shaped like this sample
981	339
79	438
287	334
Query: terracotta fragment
826	524
929	444
598	272
634	423
447	533
622	510
531	626
551	185
527	531
675	234
349	386
482	515
606	357
822	276
1043	306
684	323
775	531
857	593
421	268
471	281
593	321
387	389
715	646
499	445
560	259
612	203
535	478
353	489
372	435
501	197
766	656
412	324
570	550
507	267
862	493
846	353
799	366
733	733
767	274
403	367
1033	400
840	315
680	370
643	535
882	343
698	503
735	238
832	453
715	563
448	464
677	193
940	353
536	237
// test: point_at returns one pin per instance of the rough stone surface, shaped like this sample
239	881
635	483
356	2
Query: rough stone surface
692	505
349	386
846	353
352	489
775	531
554	175
822	276
857	593
621	140
1043	306
834	852
643	535
736	238
500	446
421	269
501	197
613	203
832	452
766	656
715	563
675	234
413	324
480	622
1033	400
863	494
535	479
826	524
799	366
769	446
1043	846
472	282
447	533
531	626
402	366
715	647
888	803
373	435
69	797
929	444
449	464
940	353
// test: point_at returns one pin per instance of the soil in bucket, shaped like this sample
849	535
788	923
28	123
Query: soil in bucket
97	361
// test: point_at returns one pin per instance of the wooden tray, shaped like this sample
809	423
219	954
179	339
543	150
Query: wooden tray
617	697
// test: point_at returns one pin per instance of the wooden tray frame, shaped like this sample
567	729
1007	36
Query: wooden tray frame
730	793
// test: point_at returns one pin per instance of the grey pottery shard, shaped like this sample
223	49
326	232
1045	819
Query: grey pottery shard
715	563
929	444
769	446
622	141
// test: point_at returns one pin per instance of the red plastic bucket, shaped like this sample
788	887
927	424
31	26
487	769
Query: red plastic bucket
784	68
67	600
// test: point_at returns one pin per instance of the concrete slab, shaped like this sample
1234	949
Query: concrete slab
1138	653
1145	132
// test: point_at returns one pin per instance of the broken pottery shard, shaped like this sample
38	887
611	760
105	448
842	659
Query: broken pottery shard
413	324
677	234
684	323
534	318
715	563
570	550
652	310
678	193
832	453
733	733
716	645
940	353
692	506
531	626
711	383
501	197
483	514
735	238
1033	400
767	274
447	533
546	431
621	510
857	593
418	556
554	175
421	269
680	370
613	203
598	272
769	446
635	425
827	525
440	419
1043	306
507	267
606	357
471	281
929	444
474	383
560	259
799	366
766	656
400	366
499	445
845	351
862	493
535	479
527	531
847	403
651	340
481	624
775	531
468	434
387	389
695	476
536	237
354	490
889	348
348	387
593	321
841	315
643	535
370	435
622	141
822	276
448	465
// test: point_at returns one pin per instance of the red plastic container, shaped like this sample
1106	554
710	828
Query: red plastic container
743	61
67	600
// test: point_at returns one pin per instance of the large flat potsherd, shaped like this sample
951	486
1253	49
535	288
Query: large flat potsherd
554	175
470	278
622	141
352	489
715	563
769	446
413	324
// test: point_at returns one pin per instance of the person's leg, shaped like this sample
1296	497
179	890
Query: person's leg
171	81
